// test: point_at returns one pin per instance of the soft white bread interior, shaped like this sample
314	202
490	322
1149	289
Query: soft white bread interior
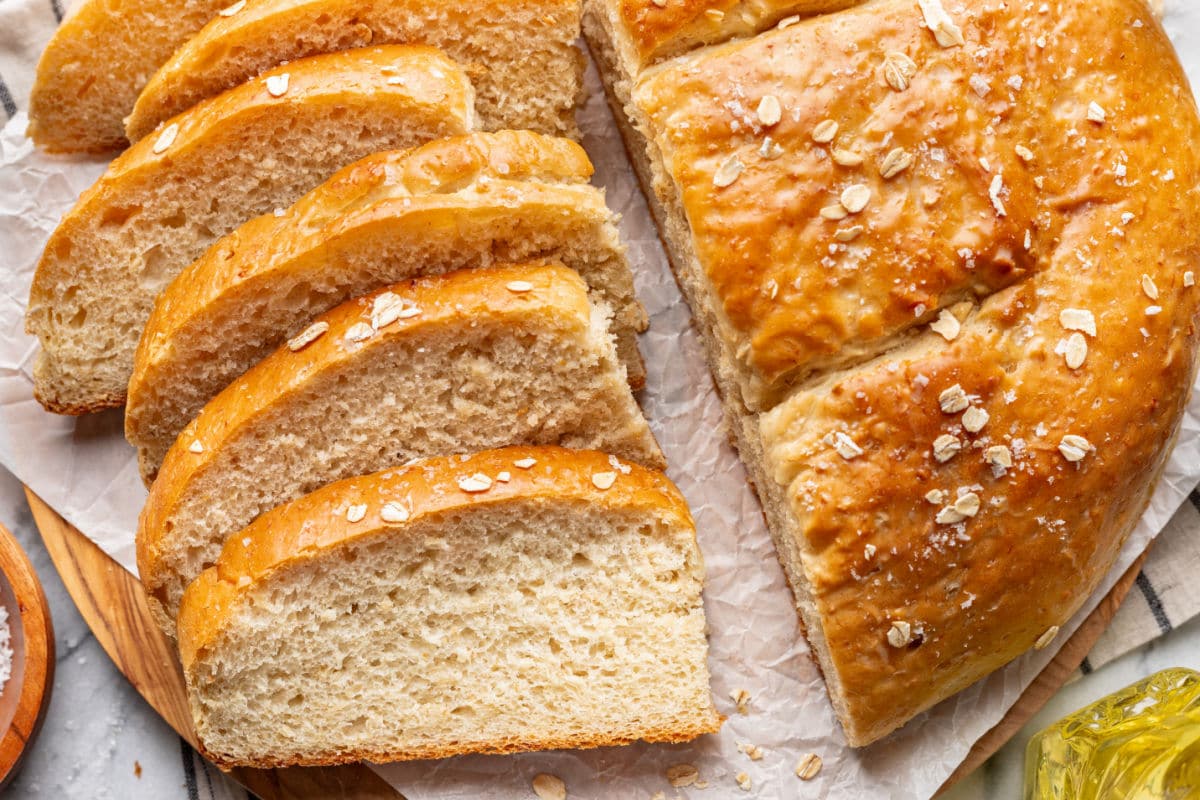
456	363
410	614
521	54
97	63
163	202
463	202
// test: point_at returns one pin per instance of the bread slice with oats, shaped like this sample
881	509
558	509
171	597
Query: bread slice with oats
457	363
520	54
463	202
98	61
519	599
161	204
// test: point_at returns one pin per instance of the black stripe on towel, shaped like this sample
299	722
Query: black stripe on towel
189	770
6	100
1085	666
1152	600
1195	497
56	7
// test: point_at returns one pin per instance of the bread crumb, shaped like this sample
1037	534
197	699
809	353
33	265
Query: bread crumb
549	787
680	775
741	699
808	766
743	781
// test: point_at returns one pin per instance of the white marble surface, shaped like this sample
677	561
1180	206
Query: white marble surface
100	741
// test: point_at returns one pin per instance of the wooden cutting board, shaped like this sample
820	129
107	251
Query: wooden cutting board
111	601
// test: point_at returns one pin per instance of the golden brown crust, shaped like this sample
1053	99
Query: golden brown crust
676	734
269	32
351	78
426	488
657	31
99	58
498	193
412	175
1090	163
471	294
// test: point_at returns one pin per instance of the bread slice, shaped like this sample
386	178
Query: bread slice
415	613
456	203
98	61
162	203
520	54
468	361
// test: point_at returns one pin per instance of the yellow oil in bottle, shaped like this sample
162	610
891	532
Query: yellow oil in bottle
1141	743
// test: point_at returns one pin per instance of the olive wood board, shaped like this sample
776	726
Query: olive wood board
111	601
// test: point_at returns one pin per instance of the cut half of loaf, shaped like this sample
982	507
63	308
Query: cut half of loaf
98	61
462	362
457	203
415	613
521	54
161	204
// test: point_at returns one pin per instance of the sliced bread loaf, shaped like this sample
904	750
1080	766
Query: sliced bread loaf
462	362
457	203
162	203
441	608
97	62
520	53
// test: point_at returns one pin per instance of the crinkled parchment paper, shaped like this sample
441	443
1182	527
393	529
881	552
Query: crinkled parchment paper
85	470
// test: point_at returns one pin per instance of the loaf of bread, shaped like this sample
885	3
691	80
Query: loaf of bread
520	54
518	599
162	203
943	259
97	62
456	203
463	362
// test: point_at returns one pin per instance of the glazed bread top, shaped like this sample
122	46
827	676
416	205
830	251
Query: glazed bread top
848	177
165	200
504	44
654	30
455	203
427	488
952	251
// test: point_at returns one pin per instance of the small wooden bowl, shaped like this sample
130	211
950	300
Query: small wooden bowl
24	698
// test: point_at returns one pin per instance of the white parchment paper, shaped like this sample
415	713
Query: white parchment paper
86	471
